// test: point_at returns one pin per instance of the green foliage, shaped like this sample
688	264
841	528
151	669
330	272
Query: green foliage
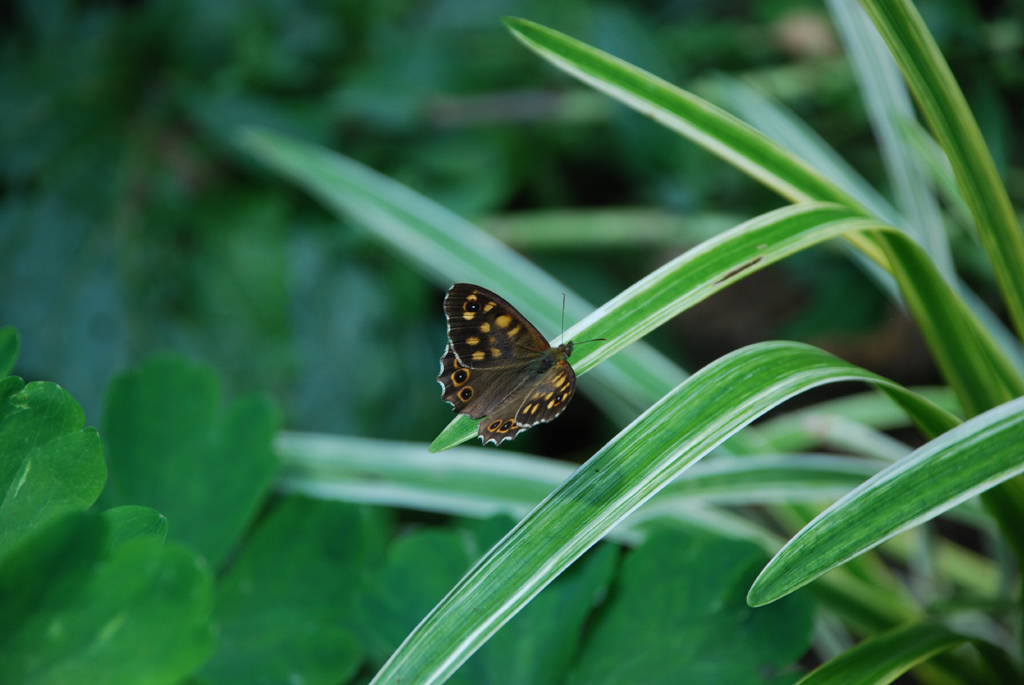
130	522
130	224
285	607
174	448
50	463
675	615
10	343
80	605
537	646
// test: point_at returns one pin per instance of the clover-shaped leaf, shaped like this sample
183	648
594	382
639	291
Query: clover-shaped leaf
678	613
285	608
50	464
78	607
173	447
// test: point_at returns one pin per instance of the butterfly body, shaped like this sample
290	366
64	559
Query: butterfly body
498	365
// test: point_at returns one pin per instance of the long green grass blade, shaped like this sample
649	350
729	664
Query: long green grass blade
989	382
932	160
884	658
973	363
697	119
950	119
477	482
646	456
967	461
888	103
797	430
778	123
447	249
607	228
781	125
690	278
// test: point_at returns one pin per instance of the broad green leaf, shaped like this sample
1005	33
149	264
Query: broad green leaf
285	608
128	523
542	641
536	647
10	343
949	117
966	461
173	447
420	568
689	422
448	249
676	614
75	609
50	464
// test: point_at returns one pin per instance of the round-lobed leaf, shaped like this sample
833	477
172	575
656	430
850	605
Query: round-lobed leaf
173	447
78	607
50	464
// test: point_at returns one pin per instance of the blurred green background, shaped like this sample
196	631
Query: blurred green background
129	223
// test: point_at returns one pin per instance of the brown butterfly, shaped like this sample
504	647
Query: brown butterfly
498	365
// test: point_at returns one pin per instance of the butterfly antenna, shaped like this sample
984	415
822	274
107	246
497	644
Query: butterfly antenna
584	342
563	317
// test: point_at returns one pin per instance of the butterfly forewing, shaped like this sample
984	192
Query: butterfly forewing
484	330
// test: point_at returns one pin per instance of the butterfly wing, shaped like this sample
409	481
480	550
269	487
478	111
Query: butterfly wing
548	397
477	392
498	365
486	331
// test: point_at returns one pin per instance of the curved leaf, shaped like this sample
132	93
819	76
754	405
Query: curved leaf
946	110
686	424
448	249
885	657
982	379
964	462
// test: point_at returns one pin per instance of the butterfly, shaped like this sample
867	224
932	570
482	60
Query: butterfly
498	365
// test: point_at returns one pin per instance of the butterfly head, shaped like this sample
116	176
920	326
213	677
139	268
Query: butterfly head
566	349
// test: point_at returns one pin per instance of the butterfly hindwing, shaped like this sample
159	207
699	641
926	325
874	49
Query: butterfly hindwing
549	397
484	330
499	427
